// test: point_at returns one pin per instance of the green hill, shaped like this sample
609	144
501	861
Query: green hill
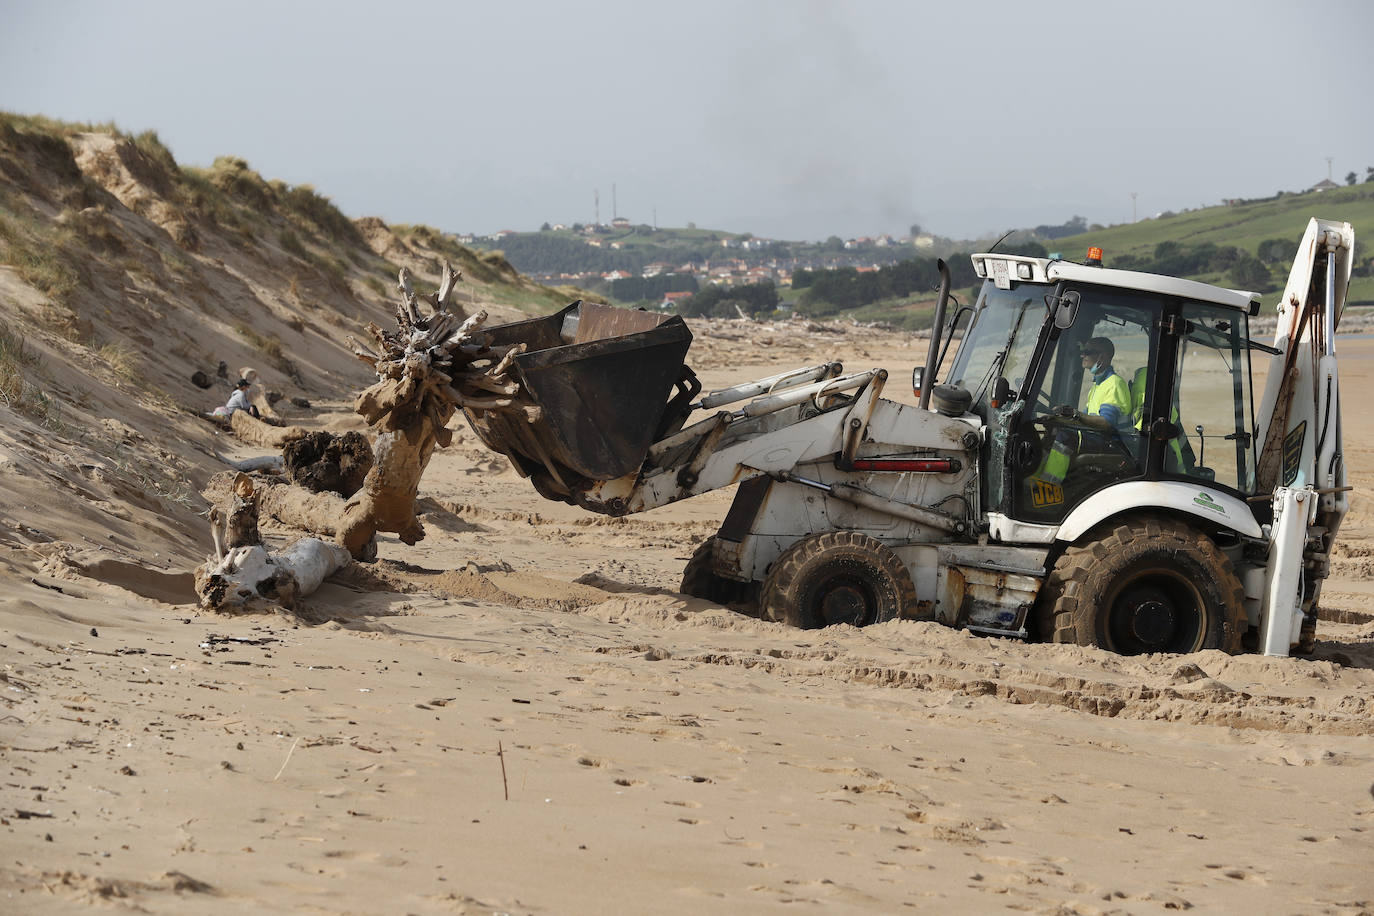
1243	225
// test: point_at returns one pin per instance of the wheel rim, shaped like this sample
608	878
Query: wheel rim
843	599
1155	610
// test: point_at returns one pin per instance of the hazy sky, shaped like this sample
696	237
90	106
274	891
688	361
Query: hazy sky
794	120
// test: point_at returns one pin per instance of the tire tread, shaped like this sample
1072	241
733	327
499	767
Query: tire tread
1063	616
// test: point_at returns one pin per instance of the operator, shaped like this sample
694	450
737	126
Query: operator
1107	411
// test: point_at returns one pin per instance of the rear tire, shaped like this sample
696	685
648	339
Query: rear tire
837	577
700	580
1150	585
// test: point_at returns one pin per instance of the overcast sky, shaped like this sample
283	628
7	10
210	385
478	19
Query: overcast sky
794	120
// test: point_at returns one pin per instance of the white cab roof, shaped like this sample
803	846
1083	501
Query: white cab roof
1049	271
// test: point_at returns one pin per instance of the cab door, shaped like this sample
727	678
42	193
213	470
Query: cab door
1096	457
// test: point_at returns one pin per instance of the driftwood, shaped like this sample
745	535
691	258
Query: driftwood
318	513
426	369
243	575
272	464
238	517
255	432
257	392
292	506
254	578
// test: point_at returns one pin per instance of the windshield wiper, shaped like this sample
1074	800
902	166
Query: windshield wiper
998	361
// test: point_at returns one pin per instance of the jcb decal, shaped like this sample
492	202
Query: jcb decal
1044	493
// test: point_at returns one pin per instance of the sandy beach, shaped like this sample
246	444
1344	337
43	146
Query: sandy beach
520	714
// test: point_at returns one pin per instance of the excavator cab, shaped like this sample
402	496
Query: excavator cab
1167	397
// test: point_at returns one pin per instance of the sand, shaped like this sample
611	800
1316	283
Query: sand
521	715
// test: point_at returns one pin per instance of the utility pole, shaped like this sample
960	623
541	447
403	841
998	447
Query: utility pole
615	210
1133	193
596	198
1328	168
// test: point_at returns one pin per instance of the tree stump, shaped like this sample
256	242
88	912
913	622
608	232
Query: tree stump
426	370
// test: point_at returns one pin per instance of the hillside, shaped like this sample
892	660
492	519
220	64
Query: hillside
1245	225
122	273
1242	244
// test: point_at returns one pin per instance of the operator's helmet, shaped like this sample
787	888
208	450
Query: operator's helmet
1101	348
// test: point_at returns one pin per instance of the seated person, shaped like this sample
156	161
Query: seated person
237	401
1106	412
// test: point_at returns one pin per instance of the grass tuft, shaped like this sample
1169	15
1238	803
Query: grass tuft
15	357
123	362
267	345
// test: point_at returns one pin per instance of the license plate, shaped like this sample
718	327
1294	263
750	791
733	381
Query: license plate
1001	276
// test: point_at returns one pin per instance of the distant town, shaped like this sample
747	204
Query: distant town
682	261
654	266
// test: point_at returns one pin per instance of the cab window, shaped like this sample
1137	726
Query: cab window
1212	408
1082	426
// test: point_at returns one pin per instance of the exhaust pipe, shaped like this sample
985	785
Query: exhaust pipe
933	352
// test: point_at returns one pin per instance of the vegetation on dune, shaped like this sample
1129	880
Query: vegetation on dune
1260	236
43	253
15	357
485	267
71	239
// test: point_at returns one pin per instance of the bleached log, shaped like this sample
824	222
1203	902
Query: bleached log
254	578
255	432
272	464
318	513
408	313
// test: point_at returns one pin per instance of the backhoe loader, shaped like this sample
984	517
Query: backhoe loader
1190	518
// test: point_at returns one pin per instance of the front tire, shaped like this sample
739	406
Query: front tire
1150	585
837	577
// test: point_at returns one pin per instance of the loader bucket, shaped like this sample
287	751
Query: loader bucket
602	379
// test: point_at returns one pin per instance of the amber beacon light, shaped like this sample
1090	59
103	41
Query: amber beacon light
1094	258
